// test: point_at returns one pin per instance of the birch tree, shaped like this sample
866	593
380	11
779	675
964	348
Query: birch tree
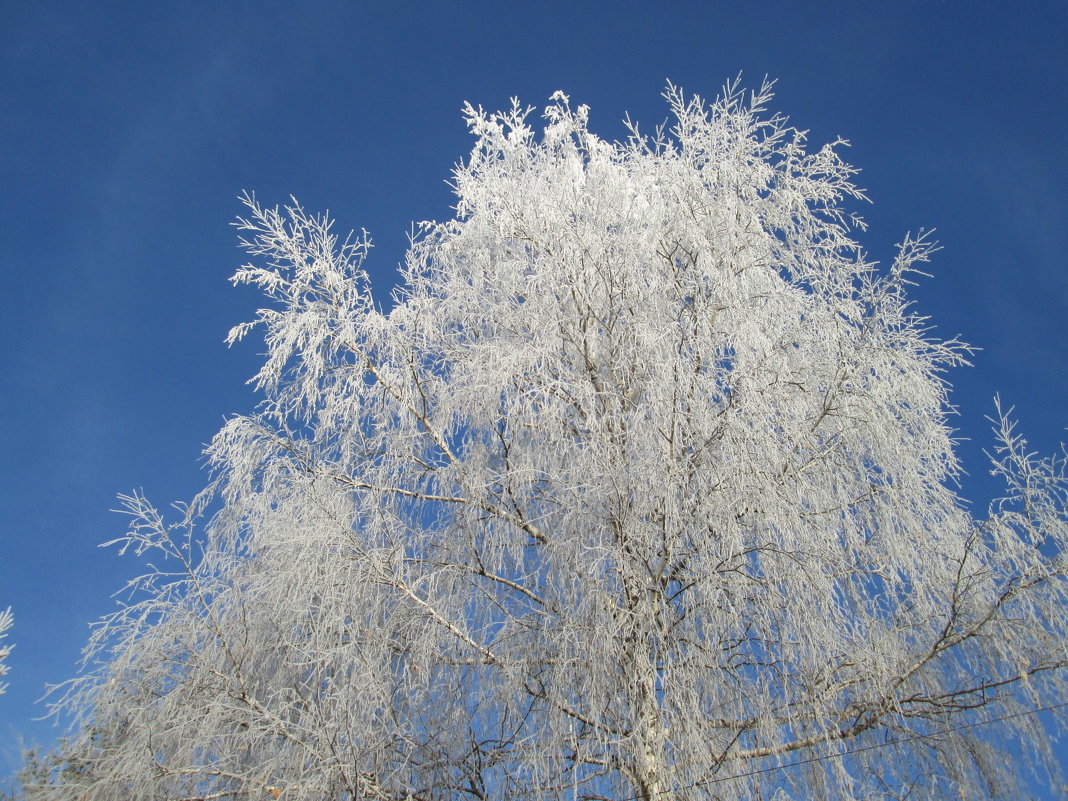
641	489
6	619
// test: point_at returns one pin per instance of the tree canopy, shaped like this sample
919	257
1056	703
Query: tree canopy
642	488
6	619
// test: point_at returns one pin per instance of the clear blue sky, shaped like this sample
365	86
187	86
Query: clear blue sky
127	129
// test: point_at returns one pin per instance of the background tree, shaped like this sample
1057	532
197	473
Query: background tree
641	490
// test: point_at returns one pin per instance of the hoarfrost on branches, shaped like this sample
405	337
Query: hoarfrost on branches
6	619
640	490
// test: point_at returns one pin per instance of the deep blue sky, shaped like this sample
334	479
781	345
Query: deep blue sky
128	129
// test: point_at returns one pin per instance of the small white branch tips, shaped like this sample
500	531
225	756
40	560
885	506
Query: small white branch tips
639	491
6	621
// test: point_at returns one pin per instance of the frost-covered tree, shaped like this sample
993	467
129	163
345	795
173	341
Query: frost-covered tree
640	489
6	619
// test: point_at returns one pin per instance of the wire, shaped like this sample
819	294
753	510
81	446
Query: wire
874	746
